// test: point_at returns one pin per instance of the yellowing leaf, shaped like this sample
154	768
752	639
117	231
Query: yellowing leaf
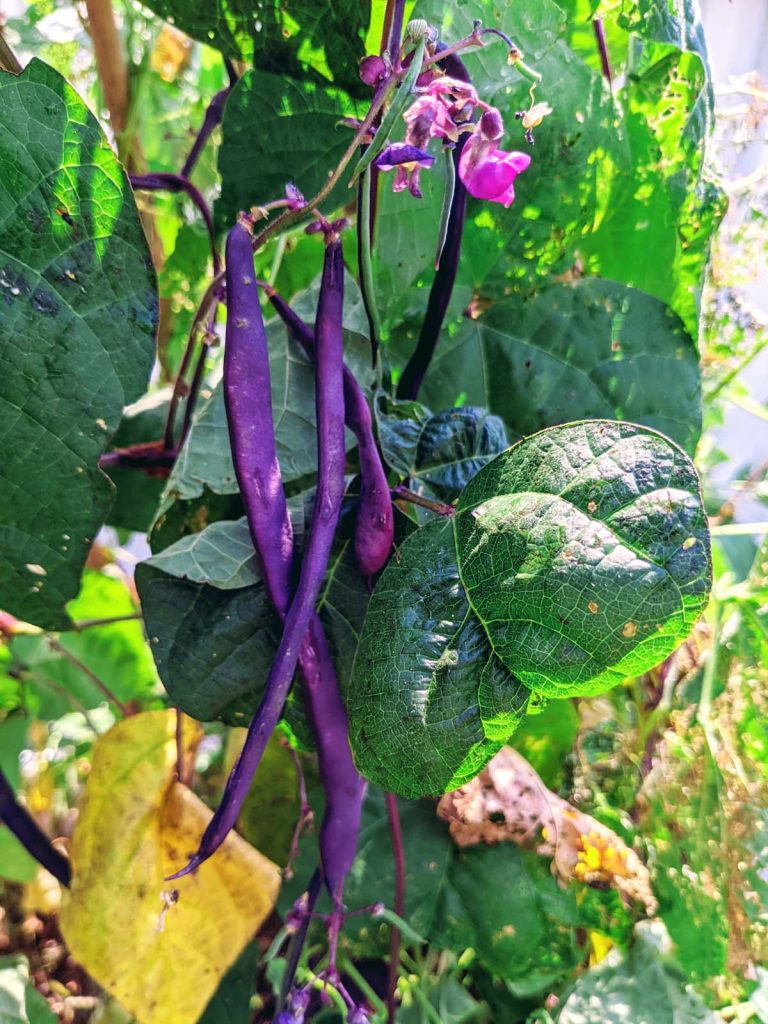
159	948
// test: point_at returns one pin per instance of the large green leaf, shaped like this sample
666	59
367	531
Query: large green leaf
645	987
585	553
429	704
210	621
291	37
594	349
277	130
77	294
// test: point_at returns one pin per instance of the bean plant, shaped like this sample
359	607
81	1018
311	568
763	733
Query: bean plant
384	349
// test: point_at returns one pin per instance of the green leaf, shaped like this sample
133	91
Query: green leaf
20	1002
585	553
594	349
138	493
291	37
277	130
210	622
429	704
444	450
644	987
76	334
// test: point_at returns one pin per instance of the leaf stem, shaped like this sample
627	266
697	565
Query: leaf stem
365	256
398	853
8	60
404	494
93	623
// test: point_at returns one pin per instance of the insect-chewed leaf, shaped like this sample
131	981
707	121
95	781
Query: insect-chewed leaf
585	553
429	704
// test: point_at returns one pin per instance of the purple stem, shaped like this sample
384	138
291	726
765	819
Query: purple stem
602	46
163	182
330	491
30	835
375	525
445	275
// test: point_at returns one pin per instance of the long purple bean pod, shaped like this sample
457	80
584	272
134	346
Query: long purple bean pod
246	377
330	490
445	276
30	835
374	527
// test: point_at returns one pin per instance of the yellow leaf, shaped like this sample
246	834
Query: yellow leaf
159	948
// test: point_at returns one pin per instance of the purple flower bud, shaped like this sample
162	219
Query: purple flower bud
296	200
491	124
373	69
359	1016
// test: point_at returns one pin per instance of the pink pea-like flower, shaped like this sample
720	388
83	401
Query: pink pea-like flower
488	172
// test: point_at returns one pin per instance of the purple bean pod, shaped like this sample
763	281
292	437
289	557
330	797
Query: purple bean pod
445	276
30	835
375	526
161	181
327	507
213	118
248	401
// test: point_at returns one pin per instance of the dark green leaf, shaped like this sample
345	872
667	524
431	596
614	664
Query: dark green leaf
138	493
277	130
595	349
585	552
76	334
445	450
428	703
231	1002
289	37
211	625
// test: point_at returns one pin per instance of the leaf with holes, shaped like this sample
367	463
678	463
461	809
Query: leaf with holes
585	553
77	319
429	704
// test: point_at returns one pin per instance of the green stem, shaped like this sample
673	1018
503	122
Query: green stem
366	259
349	969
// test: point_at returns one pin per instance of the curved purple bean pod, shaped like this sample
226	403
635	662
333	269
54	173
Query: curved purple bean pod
375	526
162	181
213	118
30	835
445	275
330	490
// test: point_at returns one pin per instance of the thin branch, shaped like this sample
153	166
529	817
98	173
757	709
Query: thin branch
89	673
398	853
93	623
110	62
8	60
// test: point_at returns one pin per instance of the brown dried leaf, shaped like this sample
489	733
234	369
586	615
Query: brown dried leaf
508	802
